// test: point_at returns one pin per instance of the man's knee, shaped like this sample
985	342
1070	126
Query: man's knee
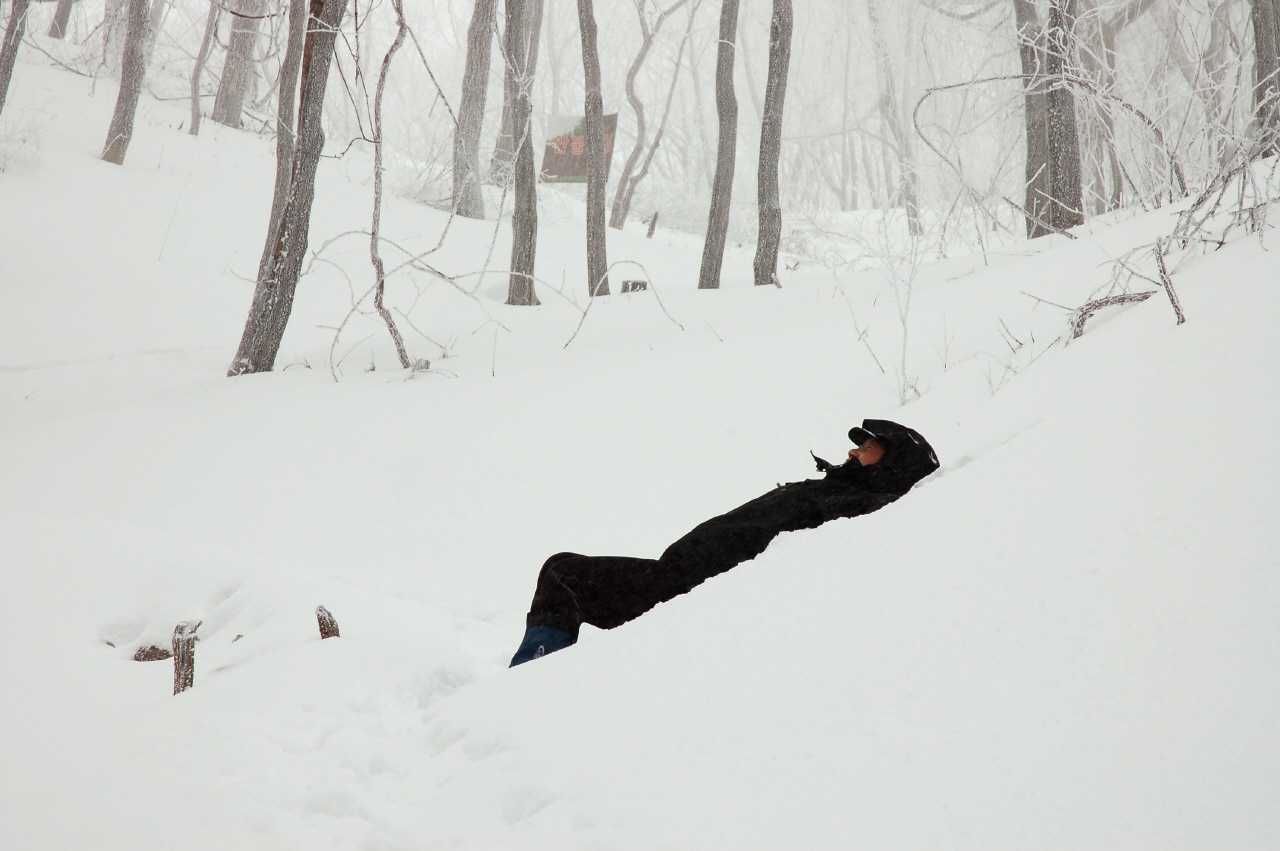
557	559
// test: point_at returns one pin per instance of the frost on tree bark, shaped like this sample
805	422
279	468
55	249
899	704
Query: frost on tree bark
114	26
61	19
286	122
1066	205
1054	195
1097	34
504	149
1266	89
1035	105
12	40
210	27
766	262
520	49
1054	192
597	259
159	8
273	296
467	198
504	152
892	117
622	198
726	151
238	69
133	68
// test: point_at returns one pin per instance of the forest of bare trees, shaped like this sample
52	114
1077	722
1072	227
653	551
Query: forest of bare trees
794	125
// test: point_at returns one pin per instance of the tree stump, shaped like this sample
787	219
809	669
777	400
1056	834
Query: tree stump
184	656
328	626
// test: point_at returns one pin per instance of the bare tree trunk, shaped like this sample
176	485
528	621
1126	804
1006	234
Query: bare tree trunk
238	69
848	155
61	18
375	231
627	186
159	8
726	153
555	51
524	215
889	111
504	150
597	259
1035	101
273	297
1067	207
467	198
12	40
1266	89
775	92
133	69
210	27
618	216
286	123
114	27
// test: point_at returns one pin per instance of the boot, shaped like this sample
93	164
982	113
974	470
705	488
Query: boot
539	641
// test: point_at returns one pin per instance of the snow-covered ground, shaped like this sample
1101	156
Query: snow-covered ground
1067	638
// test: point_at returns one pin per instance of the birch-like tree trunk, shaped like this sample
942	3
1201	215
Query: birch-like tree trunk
618	215
726	151
238	71
133	69
286	122
775	92
597	259
467	198
12	41
61	19
210	28
524	215
273	296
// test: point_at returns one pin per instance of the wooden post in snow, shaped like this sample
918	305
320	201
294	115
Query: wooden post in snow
184	656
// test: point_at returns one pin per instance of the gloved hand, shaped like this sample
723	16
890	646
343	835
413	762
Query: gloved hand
823	465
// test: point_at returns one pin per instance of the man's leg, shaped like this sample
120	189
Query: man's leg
604	591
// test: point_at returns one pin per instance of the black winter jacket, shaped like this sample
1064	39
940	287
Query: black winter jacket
848	490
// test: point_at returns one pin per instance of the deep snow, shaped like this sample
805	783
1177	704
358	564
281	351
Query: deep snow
1067	638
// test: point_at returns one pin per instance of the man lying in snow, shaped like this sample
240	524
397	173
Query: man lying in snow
607	591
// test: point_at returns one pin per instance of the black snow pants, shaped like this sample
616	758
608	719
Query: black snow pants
608	591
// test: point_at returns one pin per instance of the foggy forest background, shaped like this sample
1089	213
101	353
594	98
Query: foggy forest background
912	128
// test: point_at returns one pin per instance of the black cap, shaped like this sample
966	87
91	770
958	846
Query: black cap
860	435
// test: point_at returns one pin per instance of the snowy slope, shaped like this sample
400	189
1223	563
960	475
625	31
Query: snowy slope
1067	638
